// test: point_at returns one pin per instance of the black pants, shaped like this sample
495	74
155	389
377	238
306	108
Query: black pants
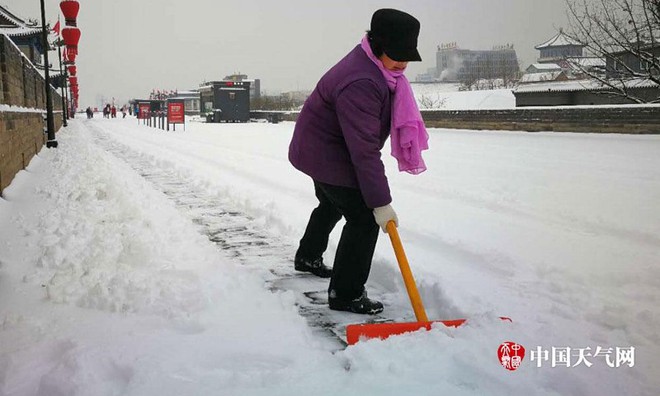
358	238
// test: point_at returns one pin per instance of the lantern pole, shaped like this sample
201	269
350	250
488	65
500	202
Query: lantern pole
50	123
65	112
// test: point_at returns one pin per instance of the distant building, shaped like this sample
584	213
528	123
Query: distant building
225	101
577	66
454	64
582	92
560	59
542	68
25	34
255	84
27	37
191	100
564	76
626	63
430	76
559	47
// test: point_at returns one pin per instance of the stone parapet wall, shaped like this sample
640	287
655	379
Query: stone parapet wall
22	125
620	119
641	119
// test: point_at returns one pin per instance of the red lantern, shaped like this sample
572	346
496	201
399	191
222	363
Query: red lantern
73	80
71	36
73	70
66	58
70	10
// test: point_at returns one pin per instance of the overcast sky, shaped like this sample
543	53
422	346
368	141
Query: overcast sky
129	47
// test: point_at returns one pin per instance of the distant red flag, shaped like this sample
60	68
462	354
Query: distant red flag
56	28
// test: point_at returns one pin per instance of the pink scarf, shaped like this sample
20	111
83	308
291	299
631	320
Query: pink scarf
408	134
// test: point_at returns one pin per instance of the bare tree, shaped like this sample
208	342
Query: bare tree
509	70
432	102
280	103
625	33
490	72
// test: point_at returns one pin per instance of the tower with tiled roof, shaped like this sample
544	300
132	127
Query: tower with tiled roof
559	47
25	34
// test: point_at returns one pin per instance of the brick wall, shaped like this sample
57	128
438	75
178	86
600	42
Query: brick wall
21	133
21	137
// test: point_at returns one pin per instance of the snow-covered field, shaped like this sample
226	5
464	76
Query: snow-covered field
108	288
446	96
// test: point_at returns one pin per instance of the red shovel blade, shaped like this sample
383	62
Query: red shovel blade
384	330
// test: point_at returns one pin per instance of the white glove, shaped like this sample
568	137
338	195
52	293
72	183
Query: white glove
383	215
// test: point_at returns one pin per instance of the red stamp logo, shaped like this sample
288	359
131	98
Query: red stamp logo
510	355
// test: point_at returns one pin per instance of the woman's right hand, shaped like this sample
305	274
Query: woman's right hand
383	215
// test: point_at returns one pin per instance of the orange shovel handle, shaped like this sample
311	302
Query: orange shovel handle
408	279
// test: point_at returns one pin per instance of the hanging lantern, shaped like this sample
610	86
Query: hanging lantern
65	57
73	80
73	70
71	36
70	10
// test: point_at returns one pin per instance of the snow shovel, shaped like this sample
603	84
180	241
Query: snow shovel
384	330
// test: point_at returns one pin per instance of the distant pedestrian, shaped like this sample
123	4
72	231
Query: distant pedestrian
113	111
337	140
123	111
90	113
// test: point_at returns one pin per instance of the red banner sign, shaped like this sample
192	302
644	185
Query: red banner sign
176	112
144	110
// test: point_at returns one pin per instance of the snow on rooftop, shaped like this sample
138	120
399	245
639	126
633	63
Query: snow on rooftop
587	61
540	77
15	19
19	31
559	40
545	66
580	85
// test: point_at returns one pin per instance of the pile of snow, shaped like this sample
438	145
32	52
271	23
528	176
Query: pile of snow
106	288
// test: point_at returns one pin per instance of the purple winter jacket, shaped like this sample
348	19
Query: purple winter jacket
342	128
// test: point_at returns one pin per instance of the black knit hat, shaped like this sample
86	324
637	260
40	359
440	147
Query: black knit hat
396	31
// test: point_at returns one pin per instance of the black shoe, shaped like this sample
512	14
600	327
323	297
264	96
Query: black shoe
315	266
360	305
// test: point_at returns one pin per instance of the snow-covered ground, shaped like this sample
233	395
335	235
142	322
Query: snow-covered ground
108	288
